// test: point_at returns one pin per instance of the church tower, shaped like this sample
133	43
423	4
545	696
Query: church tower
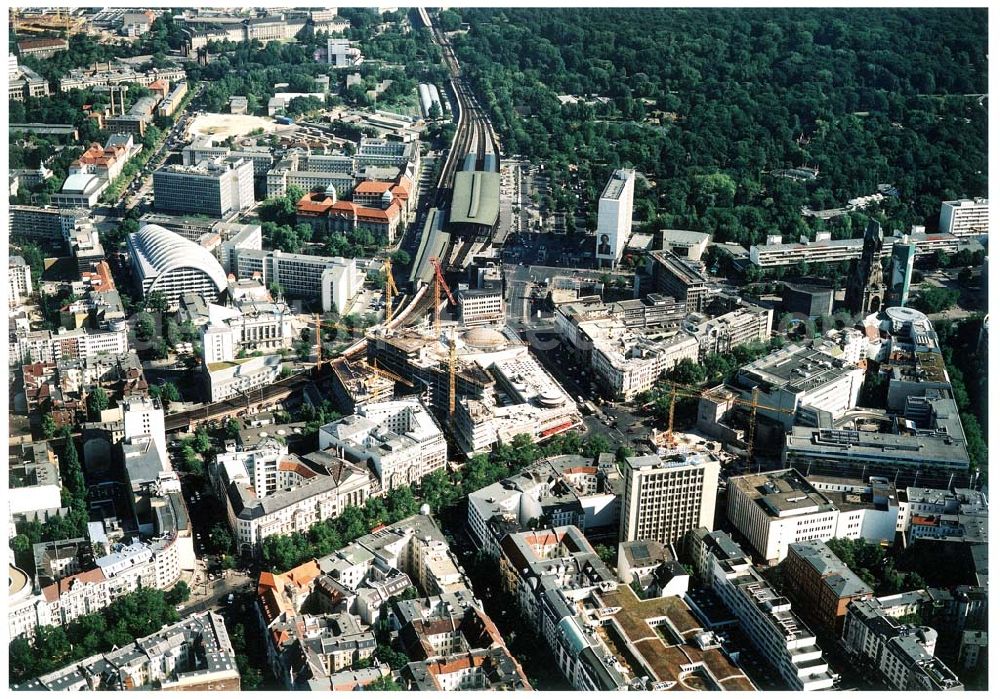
866	286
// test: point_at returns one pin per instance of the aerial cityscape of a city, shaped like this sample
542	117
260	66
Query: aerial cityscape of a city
468	348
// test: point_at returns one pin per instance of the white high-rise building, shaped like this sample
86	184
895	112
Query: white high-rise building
965	217
219	343
663	499
20	279
614	217
144	416
341	54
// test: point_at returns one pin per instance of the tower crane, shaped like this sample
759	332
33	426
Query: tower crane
319	324
390	288
753	404
385	374
439	285
452	369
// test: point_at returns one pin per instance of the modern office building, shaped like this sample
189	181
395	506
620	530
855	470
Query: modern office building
900	272
340	53
164	261
820	585
481	307
776	509
614	217
665	496
333	280
786	644
142	416
965	217
218	188
201	149
797	384
400	439
680	278
852	451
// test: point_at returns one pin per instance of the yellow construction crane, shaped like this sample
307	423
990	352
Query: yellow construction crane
390	288
376	370
752	404
319	324
439	285
452	369
319	341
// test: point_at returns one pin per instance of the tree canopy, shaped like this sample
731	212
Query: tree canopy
712	105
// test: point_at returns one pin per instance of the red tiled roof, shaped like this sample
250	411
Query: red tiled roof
372	187
56	590
41	43
290	463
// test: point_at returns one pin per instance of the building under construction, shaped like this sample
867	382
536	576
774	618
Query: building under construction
484	386
357	383
424	359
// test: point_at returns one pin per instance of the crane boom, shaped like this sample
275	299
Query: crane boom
753	404
439	285
390	288
452	369
375	369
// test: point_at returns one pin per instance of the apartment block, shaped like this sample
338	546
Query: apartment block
216	188
767	619
901	655
195	654
820	586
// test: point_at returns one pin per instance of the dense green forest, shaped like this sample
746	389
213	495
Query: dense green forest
707	103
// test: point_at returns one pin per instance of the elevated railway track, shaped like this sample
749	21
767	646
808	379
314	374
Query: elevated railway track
473	135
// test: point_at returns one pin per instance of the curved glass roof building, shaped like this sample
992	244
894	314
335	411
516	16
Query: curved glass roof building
167	262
